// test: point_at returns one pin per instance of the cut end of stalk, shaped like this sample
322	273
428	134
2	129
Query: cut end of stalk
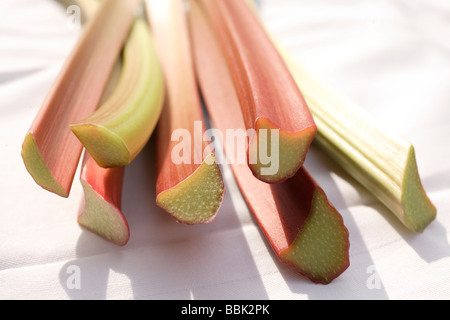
102	218
320	250
419	212
38	169
197	199
106	147
283	156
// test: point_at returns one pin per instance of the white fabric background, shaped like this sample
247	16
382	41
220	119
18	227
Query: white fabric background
390	56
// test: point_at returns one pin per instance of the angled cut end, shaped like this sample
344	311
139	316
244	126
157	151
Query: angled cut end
197	199
102	218
418	211
38	169
321	248
106	147
276	155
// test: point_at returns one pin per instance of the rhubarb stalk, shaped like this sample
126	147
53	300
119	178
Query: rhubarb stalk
50	151
375	155
102	210
117	132
269	97
299	222
189	183
102	213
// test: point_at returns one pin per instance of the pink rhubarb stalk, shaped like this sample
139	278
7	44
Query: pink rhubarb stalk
102	211
299	222
189	183
268	95
51	152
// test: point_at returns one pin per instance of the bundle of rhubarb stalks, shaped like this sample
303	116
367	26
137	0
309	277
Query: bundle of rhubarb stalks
205	76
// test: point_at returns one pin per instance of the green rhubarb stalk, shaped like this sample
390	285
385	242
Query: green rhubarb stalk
116	133
375	155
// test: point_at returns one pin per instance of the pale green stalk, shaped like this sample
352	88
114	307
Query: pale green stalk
375	155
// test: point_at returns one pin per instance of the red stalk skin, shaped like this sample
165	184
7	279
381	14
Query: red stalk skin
107	182
108	185
182	106
78	89
280	209
265	87
180	110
